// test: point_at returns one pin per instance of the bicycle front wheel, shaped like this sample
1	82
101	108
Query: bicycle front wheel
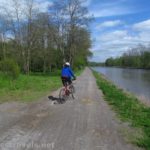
72	89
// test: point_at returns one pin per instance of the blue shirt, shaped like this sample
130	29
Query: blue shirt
67	72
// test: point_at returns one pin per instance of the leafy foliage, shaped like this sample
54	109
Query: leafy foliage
10	68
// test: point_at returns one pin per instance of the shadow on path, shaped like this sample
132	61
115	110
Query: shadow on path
56	99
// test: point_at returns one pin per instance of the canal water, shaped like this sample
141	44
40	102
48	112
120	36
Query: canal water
136	81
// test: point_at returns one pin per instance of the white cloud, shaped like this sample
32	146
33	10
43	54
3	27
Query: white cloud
8	6
115	43
44	4
142	26
87	2
107	24
114	35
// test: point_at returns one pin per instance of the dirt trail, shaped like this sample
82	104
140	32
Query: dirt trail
86	123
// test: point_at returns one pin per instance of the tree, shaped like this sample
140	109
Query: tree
69	17
138	57
41	41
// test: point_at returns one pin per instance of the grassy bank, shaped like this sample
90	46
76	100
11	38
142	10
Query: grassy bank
27	88
128	108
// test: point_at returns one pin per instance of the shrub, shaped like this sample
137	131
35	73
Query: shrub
10	68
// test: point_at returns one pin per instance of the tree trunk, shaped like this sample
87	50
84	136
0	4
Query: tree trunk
28	62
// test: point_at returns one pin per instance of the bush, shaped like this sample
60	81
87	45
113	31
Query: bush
10	68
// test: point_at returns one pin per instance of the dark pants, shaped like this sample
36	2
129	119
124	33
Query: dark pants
66	80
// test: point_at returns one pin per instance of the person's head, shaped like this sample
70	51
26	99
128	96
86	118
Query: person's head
67	64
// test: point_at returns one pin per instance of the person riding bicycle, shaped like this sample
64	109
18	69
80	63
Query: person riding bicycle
67	74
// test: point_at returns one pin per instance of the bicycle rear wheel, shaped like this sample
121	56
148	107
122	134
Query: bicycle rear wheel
62	94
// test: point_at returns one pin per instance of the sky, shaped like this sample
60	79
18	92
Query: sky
118	25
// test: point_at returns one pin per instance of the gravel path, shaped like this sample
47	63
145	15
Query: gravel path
86	123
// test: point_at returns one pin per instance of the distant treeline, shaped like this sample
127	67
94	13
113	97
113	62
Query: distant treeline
138	57
93	64
43	41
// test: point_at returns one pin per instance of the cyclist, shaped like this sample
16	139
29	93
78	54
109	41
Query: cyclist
67	74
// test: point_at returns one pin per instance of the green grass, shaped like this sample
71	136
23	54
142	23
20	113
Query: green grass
128	108
27	88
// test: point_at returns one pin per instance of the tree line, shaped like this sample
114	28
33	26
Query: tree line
43	41
96	64
138	57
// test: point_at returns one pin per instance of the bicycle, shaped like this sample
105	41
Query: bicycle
67	91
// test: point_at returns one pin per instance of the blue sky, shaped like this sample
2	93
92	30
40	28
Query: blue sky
118	26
